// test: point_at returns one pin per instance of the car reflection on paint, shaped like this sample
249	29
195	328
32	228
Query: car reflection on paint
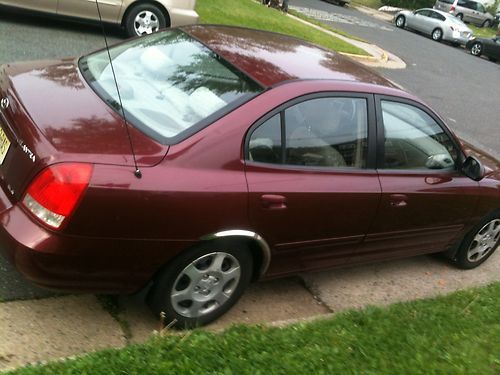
244	155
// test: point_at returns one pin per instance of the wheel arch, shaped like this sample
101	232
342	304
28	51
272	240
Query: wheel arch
132	5
454	248
260	250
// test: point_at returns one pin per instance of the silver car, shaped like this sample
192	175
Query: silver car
137	17
439	25
467	10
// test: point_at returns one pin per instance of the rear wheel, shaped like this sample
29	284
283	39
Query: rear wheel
400	21
486	23
460	16
437	34
476	49
144	19
479	243
201	284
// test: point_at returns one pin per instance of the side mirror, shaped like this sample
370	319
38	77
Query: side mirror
473	168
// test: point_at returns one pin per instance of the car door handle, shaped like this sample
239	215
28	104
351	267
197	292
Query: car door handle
437	180
398	200
273	201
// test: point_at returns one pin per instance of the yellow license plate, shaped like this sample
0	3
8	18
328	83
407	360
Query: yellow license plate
4	145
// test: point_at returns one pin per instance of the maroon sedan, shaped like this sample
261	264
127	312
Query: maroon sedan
222	155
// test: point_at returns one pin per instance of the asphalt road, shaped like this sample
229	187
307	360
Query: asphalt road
464	89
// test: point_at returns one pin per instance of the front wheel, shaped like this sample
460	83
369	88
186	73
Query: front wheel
486	23
437	35
144	19
476	49
202	284
400	22
480	243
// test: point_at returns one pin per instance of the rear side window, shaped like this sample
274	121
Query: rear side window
324	132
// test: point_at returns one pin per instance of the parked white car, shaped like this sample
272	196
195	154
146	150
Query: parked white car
137	17
439	25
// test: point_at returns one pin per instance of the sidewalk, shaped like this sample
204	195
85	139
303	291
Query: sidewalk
53	328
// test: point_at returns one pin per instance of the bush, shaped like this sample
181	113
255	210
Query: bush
409	4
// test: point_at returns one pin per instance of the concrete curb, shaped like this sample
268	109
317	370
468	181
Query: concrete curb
378	57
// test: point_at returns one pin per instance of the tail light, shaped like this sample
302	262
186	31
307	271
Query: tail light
452	9
55	192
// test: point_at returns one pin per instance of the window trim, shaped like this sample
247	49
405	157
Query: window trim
430	113
371	131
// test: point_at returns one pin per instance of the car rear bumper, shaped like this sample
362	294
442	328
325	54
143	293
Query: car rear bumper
181	17
450	37
71	263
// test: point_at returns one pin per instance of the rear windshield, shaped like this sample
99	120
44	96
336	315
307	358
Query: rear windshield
170	84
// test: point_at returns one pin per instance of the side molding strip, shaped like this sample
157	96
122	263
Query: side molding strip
264	247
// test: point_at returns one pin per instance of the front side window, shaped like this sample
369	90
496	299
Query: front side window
413	139
325	132
168	82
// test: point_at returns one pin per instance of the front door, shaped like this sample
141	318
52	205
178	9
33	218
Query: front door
110	9
426	201
313	191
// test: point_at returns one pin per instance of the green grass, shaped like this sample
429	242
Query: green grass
374	4
454	334
249	13
482	32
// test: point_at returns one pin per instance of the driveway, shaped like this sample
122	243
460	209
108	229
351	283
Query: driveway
463	89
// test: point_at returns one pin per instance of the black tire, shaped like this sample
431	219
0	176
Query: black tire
486	23
460	16
132	20
476	49
400	21
476	246
196	303
437	34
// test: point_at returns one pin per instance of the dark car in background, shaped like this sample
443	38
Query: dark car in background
489	47
228	155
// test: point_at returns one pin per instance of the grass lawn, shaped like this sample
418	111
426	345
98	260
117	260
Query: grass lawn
375	4
482	32
454	334
249	13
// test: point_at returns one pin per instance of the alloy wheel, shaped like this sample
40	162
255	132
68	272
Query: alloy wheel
146	22
205	284
400	21
484	241
476	49
436	34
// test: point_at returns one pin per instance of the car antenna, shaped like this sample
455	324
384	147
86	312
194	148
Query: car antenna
137	171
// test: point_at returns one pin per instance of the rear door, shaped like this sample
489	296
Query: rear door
313	191
49	6
426	201
110	9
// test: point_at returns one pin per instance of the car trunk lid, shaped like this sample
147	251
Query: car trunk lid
50	115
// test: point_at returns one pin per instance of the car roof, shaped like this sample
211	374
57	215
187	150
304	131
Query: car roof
271	58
